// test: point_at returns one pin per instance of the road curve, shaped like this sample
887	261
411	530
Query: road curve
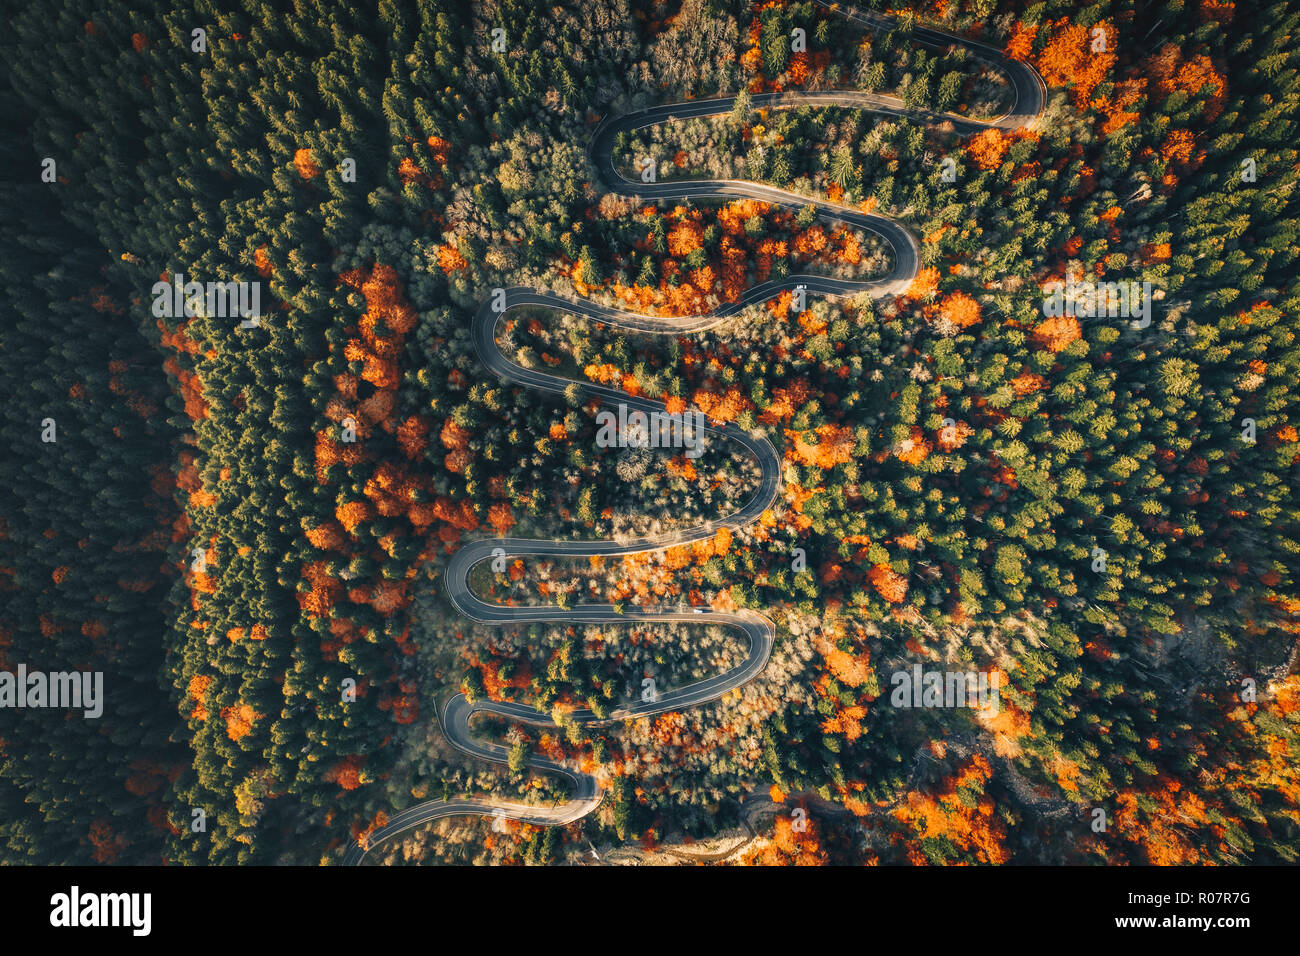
758	629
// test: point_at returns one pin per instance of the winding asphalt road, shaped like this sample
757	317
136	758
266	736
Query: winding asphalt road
759	630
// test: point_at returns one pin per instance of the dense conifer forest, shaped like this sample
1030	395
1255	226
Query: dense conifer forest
244	524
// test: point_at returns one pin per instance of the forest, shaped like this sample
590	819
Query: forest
244	525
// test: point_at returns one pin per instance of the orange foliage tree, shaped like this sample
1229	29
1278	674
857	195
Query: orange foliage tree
959	309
